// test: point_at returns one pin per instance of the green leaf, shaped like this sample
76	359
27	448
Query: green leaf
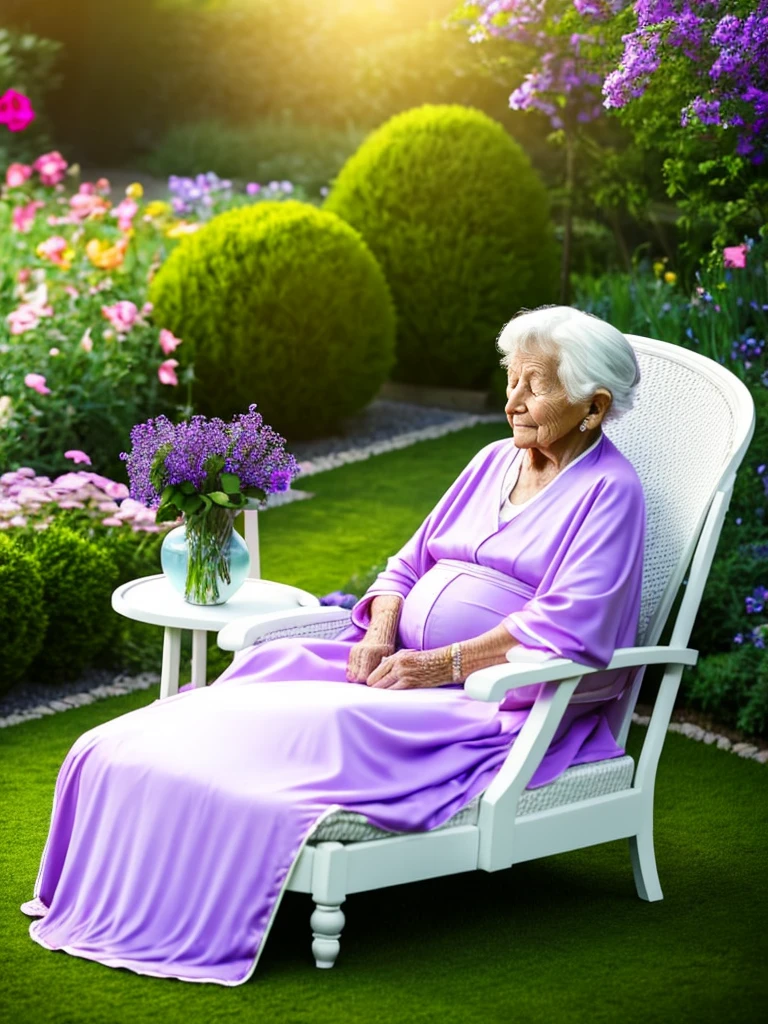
219	498
167	514
187	487
192	503
230	482
255	492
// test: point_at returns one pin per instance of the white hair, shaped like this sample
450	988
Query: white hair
591	353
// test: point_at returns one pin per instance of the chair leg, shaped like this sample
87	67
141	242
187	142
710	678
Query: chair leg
327	924
644	866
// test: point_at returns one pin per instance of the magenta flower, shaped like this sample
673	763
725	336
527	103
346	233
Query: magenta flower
122	315
23	217
57	250
17	174
50	167
87	204
168	342
77	456
735	256
36	381
166	372
16	111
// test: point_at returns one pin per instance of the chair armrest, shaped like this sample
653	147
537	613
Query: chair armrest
250	629
490	684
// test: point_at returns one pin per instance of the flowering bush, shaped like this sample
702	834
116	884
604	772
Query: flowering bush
81	358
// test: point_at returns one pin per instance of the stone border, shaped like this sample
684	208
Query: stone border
119	687
695	732
123	685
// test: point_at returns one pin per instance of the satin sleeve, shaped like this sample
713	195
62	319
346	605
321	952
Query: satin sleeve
590	595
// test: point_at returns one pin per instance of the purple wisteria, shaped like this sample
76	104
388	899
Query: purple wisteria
726	52
204	456
565	86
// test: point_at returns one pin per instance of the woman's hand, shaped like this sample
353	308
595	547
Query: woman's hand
364	657
409	670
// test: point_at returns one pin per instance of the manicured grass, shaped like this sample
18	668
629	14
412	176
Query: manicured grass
562	940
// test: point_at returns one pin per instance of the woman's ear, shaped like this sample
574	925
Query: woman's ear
601	403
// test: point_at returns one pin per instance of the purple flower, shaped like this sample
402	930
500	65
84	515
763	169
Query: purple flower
163	454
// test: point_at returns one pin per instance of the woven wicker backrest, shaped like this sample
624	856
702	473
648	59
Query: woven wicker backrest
687	422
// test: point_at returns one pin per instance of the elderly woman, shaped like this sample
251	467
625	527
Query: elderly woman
175	827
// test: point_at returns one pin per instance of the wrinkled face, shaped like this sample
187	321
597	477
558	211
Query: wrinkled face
538	408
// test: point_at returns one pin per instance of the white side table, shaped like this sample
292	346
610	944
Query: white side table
152	599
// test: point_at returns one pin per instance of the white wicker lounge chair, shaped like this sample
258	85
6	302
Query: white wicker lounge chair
686	436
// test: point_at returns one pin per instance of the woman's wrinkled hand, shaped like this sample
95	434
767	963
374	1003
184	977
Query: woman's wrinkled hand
409	670
364	657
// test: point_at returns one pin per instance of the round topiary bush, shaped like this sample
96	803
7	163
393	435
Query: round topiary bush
459	221
23	616
78	578
284	306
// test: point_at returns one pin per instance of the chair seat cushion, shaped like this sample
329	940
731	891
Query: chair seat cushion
582	782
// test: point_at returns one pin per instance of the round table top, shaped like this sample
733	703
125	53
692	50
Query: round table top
152	599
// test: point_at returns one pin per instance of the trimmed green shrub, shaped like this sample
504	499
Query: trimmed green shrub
459	220
732	687
78	577
22	612
283	305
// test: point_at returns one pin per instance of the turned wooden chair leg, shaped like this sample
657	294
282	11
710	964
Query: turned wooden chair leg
327	924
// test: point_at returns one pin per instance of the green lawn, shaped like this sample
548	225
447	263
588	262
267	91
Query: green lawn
562	940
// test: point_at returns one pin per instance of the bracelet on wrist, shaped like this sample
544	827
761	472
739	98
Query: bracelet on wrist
457	673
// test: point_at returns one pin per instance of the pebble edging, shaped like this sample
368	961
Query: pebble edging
124	684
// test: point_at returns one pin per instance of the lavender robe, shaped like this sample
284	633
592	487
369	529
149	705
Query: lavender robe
175	827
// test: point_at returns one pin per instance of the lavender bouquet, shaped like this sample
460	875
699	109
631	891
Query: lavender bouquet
207	471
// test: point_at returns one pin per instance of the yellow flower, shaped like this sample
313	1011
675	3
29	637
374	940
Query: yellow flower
658	268
106	256
157	208
135	190
670	277
181	228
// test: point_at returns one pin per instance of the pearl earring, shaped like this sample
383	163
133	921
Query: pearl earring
583	425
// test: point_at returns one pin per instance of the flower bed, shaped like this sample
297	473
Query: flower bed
81	359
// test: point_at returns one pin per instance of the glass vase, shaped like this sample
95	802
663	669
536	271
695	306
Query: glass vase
206	559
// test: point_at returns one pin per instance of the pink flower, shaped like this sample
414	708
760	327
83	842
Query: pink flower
166	372
735	256
17	174
53	352
103	186
16	111
24	275
122	315
77	456
87	188
125	211
50	167
168	342
83	204
57	250
24	216
27	317
71	291
36	381
86	342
